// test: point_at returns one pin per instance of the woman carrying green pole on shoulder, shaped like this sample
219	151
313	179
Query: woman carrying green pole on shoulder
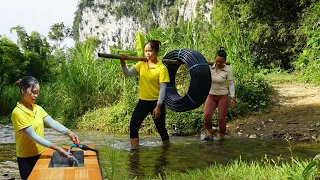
153	78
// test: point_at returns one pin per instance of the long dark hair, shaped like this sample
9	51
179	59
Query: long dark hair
222	53
155	45
26	82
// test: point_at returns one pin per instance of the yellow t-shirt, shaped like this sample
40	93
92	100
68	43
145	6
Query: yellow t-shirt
150	79
22	118
219	80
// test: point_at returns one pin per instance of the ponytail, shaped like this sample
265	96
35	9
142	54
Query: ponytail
222	53
26	82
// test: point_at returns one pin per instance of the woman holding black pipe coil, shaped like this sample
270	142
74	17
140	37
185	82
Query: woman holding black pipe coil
153	78
218	95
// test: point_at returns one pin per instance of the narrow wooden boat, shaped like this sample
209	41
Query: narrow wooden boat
45	169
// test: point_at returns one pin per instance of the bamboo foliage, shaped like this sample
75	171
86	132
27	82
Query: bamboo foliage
140	42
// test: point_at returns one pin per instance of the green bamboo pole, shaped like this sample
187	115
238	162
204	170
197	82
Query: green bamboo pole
167	61
115	56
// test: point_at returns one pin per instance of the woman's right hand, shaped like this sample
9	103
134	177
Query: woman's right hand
123	57
232	102
64	153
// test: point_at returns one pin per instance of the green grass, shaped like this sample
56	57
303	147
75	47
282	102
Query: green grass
5	120
239	169
9	96
114	119
111	164
290	78
280	78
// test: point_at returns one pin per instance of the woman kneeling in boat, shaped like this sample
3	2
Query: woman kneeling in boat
27	119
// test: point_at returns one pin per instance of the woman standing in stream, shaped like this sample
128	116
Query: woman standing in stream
221	75
153	78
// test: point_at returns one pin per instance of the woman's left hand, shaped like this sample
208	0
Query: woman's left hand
156	112
232	101
73	137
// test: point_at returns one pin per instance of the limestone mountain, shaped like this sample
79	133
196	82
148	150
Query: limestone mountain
115	22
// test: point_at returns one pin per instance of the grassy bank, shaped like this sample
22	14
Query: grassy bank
279	78
239	169
285	77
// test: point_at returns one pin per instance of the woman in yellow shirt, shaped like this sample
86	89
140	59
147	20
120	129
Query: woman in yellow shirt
28	123
153	78
218	95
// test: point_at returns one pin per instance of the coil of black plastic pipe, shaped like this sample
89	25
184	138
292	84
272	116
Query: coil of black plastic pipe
200	81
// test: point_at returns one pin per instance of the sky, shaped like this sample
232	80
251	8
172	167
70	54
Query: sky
36	15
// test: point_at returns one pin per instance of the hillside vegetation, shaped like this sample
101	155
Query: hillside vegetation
81	91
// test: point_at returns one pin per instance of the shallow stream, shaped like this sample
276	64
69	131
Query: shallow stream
152	158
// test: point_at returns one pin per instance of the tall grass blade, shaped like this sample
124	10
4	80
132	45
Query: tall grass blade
309	170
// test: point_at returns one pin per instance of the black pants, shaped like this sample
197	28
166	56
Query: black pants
143	108
26	165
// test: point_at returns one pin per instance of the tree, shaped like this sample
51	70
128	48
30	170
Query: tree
269	25
12	61
23	37
37	51
59	32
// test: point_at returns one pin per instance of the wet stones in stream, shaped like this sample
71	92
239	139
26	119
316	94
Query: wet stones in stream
9	170
6	134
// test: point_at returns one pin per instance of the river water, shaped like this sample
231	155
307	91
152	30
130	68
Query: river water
152	159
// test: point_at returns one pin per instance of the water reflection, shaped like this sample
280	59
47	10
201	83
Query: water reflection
161	161
134	164
185	153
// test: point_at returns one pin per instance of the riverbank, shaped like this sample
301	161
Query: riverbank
295	115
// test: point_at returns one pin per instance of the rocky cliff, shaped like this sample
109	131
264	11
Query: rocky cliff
115	22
